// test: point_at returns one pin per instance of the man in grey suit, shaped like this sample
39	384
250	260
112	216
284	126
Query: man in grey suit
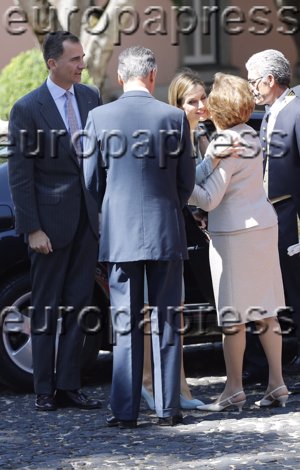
269	75
145	149
58	217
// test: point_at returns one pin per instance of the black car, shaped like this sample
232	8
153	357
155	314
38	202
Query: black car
15	341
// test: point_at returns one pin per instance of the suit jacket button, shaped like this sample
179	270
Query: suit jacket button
264	128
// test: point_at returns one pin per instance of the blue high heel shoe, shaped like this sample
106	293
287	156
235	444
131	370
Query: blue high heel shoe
192	404
148	397
185	404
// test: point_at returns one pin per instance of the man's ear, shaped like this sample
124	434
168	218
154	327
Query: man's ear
152	76
271	80
51	63
120	80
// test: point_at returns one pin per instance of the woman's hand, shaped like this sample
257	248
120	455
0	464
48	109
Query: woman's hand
224	149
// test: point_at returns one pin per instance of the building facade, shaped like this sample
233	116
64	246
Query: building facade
207	35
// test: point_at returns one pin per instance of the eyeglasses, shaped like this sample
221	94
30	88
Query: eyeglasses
253	81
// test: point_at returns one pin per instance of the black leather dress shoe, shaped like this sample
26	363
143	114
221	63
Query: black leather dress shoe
75	399
45	402
170	420
293	368
112	421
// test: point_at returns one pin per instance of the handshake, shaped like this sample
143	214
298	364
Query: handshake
293	249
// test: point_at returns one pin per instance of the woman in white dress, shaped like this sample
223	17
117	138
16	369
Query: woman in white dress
243	250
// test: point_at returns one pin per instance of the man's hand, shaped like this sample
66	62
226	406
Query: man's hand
201	217
39	242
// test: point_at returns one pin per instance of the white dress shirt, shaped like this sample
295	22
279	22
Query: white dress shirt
58	94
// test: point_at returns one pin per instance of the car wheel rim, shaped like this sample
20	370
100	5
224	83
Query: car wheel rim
16	333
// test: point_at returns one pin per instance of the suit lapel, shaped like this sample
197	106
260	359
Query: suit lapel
84	104
49	109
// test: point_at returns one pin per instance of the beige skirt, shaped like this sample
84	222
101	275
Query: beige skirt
246	275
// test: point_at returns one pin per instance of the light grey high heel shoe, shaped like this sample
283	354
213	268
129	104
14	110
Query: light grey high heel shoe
272	400
221	405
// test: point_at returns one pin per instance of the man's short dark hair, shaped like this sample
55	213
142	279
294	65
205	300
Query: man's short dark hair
53	44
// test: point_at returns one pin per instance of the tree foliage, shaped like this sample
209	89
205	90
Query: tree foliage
21	75
98	43
25	72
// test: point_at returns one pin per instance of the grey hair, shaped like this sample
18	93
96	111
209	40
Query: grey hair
271	62
136	62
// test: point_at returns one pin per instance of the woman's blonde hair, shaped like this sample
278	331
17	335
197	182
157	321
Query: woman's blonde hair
230	101
184	80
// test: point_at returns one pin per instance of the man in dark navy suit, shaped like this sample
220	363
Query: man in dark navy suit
58	217
269	75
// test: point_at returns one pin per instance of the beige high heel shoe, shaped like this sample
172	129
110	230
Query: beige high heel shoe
272	400
221	405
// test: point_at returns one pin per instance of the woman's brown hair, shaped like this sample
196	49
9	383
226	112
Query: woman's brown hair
230	101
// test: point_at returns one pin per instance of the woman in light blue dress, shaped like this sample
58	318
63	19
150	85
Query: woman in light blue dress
186	91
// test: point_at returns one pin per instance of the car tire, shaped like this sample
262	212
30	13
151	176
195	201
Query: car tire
15	340
15	348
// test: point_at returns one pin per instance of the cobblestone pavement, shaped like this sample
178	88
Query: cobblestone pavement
71	439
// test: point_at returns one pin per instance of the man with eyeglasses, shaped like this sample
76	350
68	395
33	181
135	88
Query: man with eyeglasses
269	76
